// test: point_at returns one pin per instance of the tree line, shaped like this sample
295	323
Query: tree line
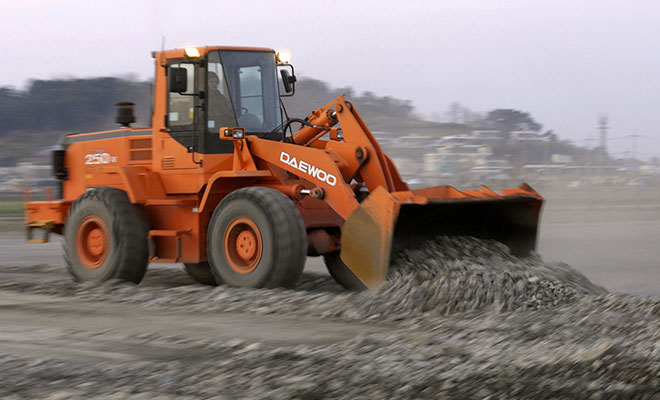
35	118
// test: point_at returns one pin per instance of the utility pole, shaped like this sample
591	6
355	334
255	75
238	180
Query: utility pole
603	127
634	138
590	160
602	151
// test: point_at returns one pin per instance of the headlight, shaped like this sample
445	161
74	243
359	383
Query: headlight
230	133
239	133
192	52
283	57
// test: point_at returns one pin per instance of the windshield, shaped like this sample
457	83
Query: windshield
250	79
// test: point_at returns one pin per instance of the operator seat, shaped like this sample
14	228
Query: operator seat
250	122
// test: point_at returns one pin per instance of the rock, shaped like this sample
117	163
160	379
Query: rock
598	351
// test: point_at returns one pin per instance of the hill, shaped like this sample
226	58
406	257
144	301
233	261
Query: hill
34	119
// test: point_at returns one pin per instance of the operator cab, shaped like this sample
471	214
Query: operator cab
223	88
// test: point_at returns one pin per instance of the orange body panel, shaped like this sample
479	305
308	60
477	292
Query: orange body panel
53	212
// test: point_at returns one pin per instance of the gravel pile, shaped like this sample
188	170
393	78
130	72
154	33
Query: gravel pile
468	320
458	274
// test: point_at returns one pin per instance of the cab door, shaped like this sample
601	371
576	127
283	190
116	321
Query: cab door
183	120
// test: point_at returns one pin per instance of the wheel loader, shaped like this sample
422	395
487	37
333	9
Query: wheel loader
222	183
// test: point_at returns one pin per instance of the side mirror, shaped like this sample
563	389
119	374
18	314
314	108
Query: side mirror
288	80
178	79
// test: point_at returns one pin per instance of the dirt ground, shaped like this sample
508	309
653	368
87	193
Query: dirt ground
622	256
55	345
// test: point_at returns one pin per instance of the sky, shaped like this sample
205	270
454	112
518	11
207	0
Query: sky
564	61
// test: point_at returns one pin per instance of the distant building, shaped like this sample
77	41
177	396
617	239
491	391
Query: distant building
412	141
26	175
488	136
649	169
527	136
455	158
561	159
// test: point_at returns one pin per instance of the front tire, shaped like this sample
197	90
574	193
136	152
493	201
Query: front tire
257	239
105	237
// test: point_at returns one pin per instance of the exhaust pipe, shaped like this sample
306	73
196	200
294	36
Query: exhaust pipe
125	115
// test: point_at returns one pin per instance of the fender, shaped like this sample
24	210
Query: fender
228	181
139	183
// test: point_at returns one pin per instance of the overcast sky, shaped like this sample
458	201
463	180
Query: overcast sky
565	62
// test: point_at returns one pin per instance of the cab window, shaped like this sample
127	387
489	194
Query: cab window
181	106
251	98
251	77
220	110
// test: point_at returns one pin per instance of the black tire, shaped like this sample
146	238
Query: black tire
279	257
201	272
125	250
341	274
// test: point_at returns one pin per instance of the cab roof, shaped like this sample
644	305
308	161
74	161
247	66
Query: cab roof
203	50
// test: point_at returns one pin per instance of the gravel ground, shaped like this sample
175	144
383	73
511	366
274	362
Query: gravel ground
468	321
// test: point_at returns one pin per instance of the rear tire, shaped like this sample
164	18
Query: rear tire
341	274
201	272
257	239
105	237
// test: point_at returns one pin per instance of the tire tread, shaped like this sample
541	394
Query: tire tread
129	228
288	229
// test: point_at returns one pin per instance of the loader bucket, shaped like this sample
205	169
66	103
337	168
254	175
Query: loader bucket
386	223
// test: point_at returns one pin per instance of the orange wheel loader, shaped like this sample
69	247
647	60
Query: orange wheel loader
222	183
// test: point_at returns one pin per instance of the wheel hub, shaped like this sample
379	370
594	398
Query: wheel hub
243	246
96	242
246	244
92	242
